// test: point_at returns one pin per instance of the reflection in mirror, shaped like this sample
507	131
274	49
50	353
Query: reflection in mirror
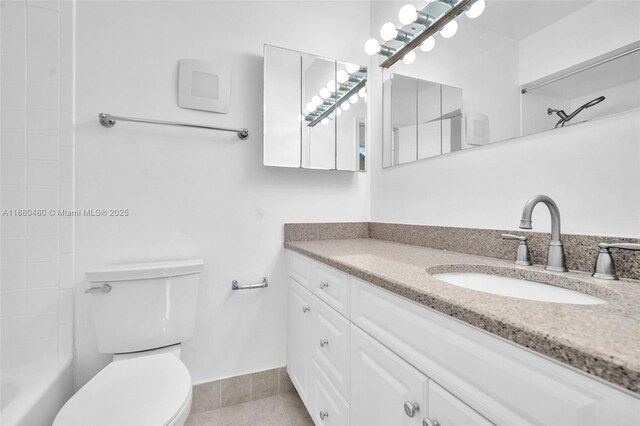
314	111
429	121
518	77
400	133
318	136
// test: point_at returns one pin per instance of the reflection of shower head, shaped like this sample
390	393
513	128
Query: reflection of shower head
561	113
596	101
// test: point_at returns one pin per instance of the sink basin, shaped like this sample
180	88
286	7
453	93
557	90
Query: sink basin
517	288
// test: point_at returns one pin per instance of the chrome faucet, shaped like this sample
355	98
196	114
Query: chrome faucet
555	258
605	267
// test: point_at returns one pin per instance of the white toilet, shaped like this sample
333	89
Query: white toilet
142	312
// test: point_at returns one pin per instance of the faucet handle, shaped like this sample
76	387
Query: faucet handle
520	238
605	267
523	256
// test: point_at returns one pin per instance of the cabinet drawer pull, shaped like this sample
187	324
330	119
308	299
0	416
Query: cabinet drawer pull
428	422
323	415
323	343
411	408
324	285
305	309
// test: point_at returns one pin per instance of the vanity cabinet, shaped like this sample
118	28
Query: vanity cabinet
383	352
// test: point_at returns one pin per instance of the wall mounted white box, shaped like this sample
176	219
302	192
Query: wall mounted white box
203	85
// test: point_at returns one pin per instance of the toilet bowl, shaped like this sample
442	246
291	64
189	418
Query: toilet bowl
149	390
142	312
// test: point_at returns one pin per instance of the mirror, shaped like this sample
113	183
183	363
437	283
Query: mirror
504	75
314	111
421	119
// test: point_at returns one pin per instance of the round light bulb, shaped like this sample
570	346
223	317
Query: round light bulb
409	58
353	99
371	47
345	106
331	86
342	76
428	44
316	100
362	92
331	116
310	107
325	93
407	14
351	68
476	9
324	121
388	31
449	30
338	112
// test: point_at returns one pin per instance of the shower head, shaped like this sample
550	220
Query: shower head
596	101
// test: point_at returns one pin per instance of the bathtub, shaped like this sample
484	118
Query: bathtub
33	394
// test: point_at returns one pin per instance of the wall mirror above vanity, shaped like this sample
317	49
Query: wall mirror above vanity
515	75
314	111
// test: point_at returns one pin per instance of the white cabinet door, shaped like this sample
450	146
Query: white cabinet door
381	384
330	343
299	338
447	410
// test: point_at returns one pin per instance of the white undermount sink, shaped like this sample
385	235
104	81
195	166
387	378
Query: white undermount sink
518	288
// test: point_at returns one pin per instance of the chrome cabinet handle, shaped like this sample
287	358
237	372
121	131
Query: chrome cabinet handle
324	285
323	343
428	422
104	288
411	408
305	309
323	415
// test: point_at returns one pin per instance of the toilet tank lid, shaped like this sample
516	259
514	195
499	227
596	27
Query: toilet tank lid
147	270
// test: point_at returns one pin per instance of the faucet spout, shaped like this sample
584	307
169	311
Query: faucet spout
556	258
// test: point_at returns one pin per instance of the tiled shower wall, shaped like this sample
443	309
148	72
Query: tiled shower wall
37	151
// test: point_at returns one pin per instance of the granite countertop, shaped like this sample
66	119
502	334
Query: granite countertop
602	339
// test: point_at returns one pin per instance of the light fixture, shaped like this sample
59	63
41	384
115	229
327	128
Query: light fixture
325	121
342	76
409	57
449	30
419	27
476	9
388	31
428	44
338	111
345	106
316	100
331	85
325	93
371	47
353	98
310	107
362	92
352	68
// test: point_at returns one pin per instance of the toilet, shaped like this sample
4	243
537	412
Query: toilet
142	313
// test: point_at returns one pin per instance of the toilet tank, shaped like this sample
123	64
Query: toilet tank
142	306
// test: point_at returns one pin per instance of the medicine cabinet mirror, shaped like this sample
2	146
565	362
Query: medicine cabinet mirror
514	74
314	111
421	119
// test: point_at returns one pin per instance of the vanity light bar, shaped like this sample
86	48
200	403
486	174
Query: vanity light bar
432	26
315	119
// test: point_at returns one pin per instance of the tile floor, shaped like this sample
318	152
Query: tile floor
285	409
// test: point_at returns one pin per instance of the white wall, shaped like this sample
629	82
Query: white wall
596	29
196	193
37	170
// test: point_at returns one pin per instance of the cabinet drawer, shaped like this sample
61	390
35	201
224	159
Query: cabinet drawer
329	407
332	286
300	268
448	410
330	344
504	382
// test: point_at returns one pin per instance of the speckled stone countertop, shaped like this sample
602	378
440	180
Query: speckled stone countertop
602	339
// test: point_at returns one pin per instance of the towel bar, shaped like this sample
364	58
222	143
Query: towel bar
261	284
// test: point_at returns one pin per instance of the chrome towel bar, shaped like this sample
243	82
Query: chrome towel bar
262	284
108	121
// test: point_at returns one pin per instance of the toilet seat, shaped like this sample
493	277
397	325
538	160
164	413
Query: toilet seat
149	390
